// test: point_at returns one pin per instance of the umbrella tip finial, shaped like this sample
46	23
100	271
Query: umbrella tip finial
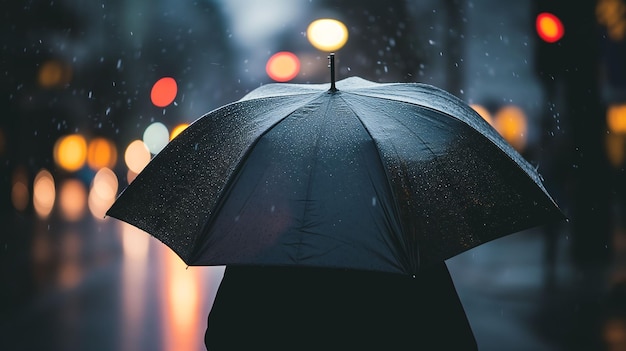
331	64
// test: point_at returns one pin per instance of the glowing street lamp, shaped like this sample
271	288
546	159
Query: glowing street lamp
327	34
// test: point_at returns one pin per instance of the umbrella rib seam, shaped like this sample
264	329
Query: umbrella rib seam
233	176
413	265
503	150
309	187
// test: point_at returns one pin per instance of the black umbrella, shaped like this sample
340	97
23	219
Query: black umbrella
385	177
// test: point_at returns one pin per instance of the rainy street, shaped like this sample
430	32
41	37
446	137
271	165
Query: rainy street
95	286
93	92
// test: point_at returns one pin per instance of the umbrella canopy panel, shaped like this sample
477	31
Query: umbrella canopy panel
385	177
175	194
369	183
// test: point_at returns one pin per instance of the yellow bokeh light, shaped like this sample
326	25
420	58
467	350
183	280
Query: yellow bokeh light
510	122
137	156
177	130
327	34
101	153
616	118
70	152
483	112
72	199
43	193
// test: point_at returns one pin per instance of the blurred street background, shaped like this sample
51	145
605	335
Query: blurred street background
91	90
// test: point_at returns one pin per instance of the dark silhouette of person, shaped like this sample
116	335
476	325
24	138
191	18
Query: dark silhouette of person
296	308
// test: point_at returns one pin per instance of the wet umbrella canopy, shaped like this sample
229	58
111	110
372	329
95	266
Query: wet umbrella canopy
384	177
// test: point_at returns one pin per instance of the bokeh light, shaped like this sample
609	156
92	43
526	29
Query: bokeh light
177	130
510	121
72	199
612	15
283	66
70	152
156	136
483	112
43	193
103	192
53	74
327	34
616	118
137	156
164	92
19	190
101	152
549	27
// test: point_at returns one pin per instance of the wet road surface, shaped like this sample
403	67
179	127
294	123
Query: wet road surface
103	285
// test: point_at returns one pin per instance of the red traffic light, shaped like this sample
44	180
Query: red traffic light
549	27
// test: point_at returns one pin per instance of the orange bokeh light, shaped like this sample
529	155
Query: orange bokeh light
549	27
510	122
101	153
164	92
53	74
283	66
137	156
70	152
616	118
43	193
72	199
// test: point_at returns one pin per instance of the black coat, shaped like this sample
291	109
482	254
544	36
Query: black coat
284	308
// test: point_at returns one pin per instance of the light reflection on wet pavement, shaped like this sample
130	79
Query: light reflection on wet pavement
104	285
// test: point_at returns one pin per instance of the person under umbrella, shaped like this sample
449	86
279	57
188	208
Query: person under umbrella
334	211
295	308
